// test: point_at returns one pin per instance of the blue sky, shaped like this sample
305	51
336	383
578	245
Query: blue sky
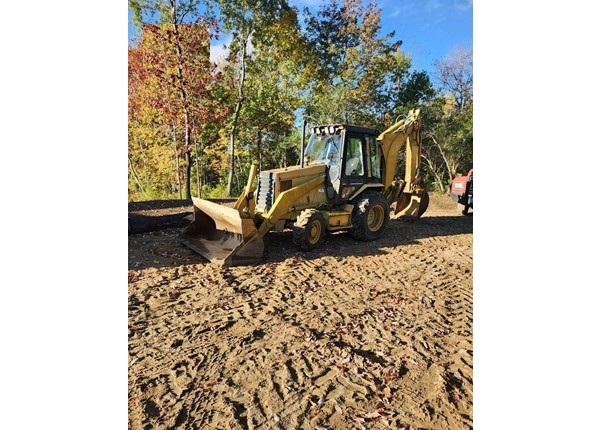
429	29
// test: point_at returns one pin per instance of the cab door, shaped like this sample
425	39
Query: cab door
354	165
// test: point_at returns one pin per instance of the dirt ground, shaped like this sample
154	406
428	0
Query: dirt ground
353	335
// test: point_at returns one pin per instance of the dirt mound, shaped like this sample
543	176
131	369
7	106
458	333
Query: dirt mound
154	215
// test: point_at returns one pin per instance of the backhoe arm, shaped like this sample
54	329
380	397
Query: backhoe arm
408	194
408	131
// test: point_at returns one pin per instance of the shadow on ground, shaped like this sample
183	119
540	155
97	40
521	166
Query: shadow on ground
161	248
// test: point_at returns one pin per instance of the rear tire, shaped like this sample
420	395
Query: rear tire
463	209
309	229
370	216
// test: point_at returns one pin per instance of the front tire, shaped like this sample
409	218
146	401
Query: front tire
309	229
370	216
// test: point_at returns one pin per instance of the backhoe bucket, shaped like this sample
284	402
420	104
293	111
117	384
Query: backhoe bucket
221	235
412	204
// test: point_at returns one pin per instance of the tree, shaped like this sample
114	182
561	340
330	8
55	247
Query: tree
273	93
170	11
366	71
176	57
448	134
248	20
329	35
151	155
455	75
415	91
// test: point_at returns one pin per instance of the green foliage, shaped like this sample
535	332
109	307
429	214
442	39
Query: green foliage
150	193
328	34
360	71
415	91
447	141
214	192
260	78
169	11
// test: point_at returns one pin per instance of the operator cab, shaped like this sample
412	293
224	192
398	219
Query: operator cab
351	154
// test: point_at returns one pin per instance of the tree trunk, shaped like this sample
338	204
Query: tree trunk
177	161
197	166
184	101
132	166
231	172
450	165
143	161
189	163
239	102
259	150
435	173
178	176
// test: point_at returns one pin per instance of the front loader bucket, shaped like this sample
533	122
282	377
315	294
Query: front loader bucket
412	204
221	235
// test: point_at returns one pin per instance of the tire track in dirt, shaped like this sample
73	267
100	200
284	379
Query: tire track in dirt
377	336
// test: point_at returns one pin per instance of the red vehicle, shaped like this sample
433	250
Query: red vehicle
461	191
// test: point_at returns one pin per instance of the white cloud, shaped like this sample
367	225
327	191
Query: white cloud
217	52
433	5
218	49
405	9
463	4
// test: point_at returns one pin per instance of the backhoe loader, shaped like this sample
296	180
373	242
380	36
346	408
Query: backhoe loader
345	182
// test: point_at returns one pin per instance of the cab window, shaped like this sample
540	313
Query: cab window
354	157
374	153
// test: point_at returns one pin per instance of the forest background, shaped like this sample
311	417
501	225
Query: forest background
195	126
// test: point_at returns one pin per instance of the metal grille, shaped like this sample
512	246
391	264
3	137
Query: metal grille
265	191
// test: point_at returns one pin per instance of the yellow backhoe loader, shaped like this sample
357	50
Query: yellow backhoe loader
345	182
